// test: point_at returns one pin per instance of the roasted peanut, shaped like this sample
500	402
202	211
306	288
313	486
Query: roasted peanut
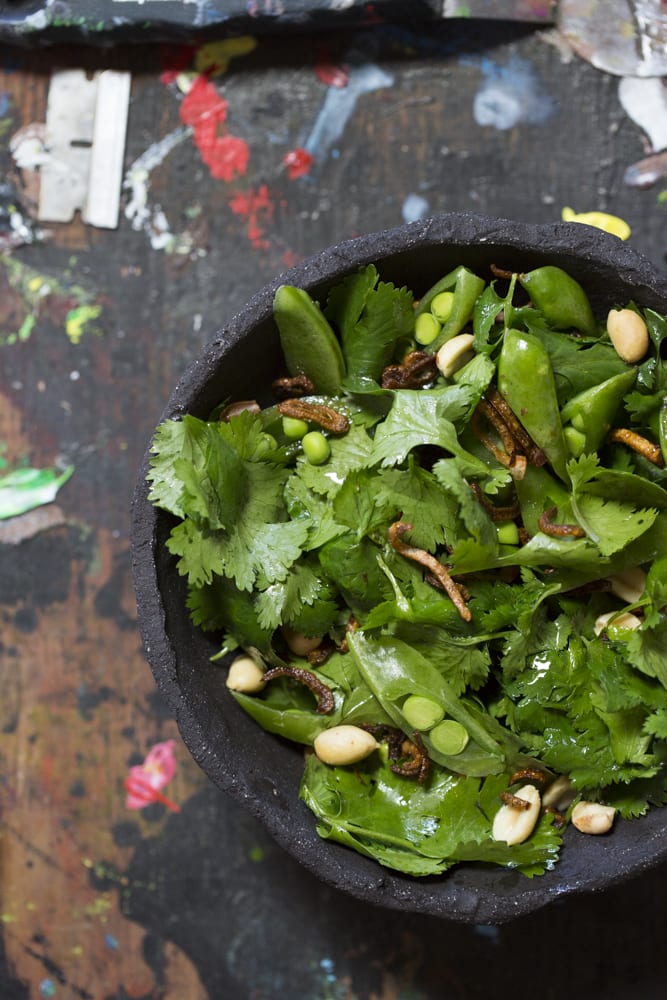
245	675
628	333
344	744
513	823
593	817
454	354
613	621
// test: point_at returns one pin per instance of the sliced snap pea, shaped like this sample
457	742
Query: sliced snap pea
592	411
466	288
560	298
422	713
449	737
526	380
309	344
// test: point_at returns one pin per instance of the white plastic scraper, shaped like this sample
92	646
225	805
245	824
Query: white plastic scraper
86	123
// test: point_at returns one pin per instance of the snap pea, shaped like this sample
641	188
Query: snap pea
590	413
526	380
561	300
309	344
466	288
662	427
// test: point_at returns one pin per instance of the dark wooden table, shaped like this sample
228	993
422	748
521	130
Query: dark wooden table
106	903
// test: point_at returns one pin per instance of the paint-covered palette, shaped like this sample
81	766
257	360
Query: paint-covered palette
44	21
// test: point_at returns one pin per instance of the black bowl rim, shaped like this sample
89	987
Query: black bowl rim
455	896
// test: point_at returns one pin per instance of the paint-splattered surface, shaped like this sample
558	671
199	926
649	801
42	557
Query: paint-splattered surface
124	873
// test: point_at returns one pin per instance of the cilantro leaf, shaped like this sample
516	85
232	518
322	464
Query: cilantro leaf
420	417
372	318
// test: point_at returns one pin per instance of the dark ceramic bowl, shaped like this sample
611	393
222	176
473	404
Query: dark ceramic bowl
259	770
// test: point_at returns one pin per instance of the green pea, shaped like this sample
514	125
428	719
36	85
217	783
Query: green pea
449	737
427	328
422	713
316	448
575	440
442	305
508	533
293	428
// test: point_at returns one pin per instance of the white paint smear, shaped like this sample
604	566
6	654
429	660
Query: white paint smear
339	105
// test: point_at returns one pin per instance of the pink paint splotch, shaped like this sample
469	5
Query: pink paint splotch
144	782
257	206
205	111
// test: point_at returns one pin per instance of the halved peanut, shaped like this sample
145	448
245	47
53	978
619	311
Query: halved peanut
344	744
628	333
559	794
593	817
629	584
245	675
300	644
614	621
514	824
454	354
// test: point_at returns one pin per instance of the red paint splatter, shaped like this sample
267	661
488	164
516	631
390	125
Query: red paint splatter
256	205
290	259
298	162
327	72
145	781
205	111
203	104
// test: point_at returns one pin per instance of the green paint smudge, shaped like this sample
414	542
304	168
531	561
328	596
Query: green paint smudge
24	489
78	318
256	854
36	289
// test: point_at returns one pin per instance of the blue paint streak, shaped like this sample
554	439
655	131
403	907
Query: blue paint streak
111	942
339	105
510	95
47	988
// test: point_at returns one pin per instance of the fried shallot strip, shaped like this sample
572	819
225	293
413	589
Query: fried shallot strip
534	454
324	694
650	451
515	801
293	386
316	413
547	527
424	558
496	513
416	370
511	457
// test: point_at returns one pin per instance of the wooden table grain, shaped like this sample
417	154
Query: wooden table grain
319	137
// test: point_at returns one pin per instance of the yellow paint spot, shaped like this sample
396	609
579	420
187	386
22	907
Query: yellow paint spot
78	318
7	918
31	906
77	950
601	220
99	907
213	58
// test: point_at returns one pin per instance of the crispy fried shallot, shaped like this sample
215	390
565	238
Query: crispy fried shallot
547	527
416	370
293	386
429	562
315	413
324	694
650	451
496	513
